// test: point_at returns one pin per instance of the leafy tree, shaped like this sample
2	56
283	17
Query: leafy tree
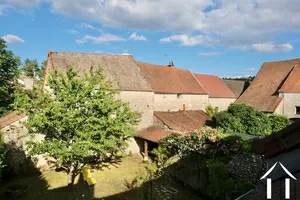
81	124
278	122
40	72
30	68
211	111
9	72
228	123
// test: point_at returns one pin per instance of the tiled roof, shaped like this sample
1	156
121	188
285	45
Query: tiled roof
10	118
153	134
236	86
214	85
121	70
278	142
292	83
263	91
183	121
166	79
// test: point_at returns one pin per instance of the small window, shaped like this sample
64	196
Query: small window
298	110
179	96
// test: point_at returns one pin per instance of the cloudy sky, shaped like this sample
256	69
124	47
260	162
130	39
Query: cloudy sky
222	37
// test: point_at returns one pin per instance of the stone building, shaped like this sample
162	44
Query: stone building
219	94
276	89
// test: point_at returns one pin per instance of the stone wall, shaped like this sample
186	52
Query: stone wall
290	101
15	138
174	102
221	103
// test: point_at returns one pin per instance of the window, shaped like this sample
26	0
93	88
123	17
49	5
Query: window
298	110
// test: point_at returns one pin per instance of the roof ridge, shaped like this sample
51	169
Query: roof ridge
108	54
278	61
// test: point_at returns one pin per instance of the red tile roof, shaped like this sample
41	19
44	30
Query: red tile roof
183	121
263	91
10	118
278	142
153	134
292	83
165	79
214	85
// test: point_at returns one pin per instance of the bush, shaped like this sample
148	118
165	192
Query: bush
278	122
228	123
2	152
211	111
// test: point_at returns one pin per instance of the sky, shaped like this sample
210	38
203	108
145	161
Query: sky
219	37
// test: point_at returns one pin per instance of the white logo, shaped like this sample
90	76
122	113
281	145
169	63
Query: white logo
269	181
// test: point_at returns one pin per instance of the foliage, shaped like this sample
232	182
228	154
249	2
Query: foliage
30	68
2	152
278	122
226	122
9	72
80	124
243	118
211	111
221	184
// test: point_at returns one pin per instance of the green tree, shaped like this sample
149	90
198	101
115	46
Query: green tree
40	72
9	72
81	124
278	122
30	68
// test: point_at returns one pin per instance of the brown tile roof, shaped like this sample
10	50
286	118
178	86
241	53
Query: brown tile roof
263	91
153	134
165	79
10	118
183	121
214	85
278	142
236	86
122	70
292	83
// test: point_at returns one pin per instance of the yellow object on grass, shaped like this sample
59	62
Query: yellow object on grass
87	175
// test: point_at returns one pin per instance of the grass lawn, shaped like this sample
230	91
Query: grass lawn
110	185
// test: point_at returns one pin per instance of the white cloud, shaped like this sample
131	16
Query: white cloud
72	31
165	40
250	69
105	38
89	26
233	23
272	47
237	77
134	36
12	39
210	53
186	40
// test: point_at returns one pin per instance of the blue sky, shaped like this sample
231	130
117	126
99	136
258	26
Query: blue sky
221	37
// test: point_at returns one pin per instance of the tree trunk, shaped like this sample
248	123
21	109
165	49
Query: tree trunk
71	174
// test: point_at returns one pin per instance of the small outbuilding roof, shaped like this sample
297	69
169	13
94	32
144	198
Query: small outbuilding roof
215	86
121	70
166	79
153	134
10	118
183	121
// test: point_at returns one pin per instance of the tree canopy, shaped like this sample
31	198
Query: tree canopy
9	72
82	120
31	68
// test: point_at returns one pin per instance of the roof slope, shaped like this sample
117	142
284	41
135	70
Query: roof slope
183	121
214	85
121	70
153	134
285	140
236	86
10	118
263	91
165	79
292	83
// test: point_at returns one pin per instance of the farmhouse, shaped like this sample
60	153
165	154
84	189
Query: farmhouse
276	88
219	94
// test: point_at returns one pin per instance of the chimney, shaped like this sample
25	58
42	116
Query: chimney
184	108
171	64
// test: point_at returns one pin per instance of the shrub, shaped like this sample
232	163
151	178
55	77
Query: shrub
278	122
211	111
228	123
2	152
